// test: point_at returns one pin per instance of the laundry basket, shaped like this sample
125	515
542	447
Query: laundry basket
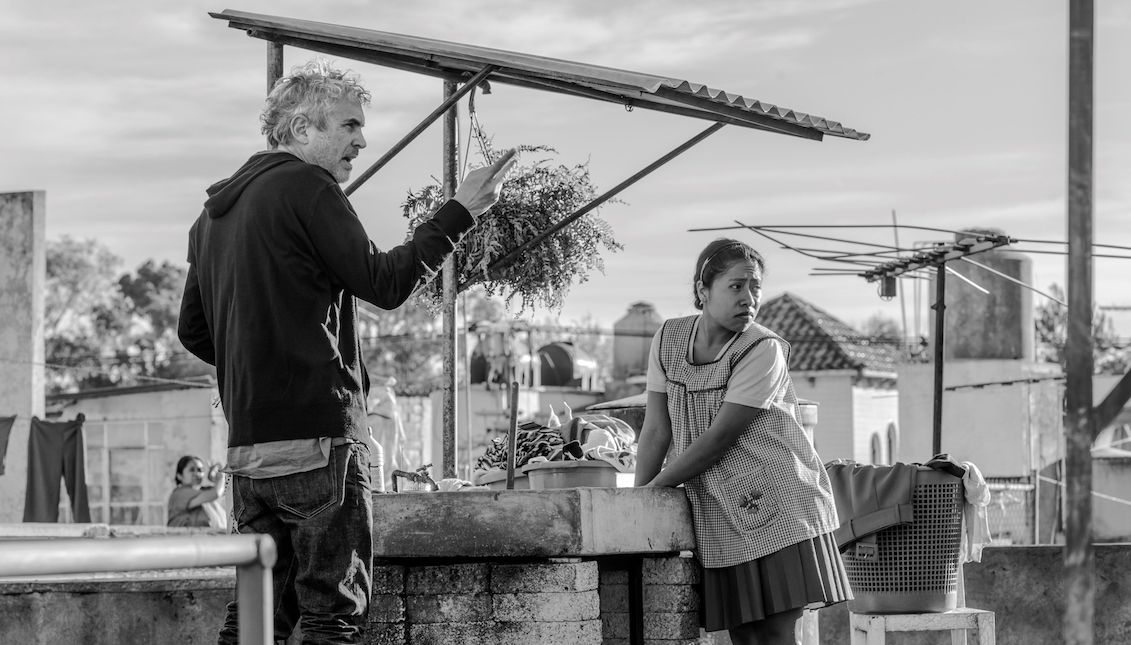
914	568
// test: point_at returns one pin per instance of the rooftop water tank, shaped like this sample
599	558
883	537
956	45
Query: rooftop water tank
632	337
997	325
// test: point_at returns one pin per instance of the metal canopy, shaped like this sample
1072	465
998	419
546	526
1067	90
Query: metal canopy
456	61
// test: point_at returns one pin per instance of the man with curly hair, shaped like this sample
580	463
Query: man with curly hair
276	261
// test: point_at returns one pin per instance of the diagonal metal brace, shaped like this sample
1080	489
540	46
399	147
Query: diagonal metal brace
496	267
1104	413
471	84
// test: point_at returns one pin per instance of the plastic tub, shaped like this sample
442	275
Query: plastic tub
497	480
592	473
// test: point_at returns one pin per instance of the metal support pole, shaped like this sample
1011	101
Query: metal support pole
940	340
450	279
1079	559
512	432
444	108
274	63
253	597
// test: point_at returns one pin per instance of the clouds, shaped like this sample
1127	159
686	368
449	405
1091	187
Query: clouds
125	110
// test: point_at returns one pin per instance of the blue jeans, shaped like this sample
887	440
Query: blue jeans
322	524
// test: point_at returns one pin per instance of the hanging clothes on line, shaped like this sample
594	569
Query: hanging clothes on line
56	450
6	424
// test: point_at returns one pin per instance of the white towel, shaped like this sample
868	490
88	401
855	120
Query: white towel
976	523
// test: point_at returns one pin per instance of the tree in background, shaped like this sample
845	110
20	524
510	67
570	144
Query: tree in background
84	315
403	343
881	328
1051	327
884	330
153	299
105	329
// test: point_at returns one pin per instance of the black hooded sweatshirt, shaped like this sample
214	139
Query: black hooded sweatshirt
275	261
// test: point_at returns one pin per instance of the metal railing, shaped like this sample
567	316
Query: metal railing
252	555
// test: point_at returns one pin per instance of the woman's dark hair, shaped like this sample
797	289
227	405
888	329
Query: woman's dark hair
181	463
716	258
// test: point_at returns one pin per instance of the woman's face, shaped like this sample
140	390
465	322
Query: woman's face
193	473
732	299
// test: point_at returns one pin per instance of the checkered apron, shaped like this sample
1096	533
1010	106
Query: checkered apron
769	490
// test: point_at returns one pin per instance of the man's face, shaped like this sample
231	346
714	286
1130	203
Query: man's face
335	147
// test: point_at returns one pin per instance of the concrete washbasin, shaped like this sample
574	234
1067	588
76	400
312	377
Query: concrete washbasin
571	522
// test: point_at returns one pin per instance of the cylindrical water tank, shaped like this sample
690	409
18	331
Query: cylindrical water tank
997	325
632	337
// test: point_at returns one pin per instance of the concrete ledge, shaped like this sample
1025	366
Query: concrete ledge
531	524
159	580
47	530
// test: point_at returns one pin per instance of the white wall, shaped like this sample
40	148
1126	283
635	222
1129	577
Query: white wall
832	391
1000	428
874	409
1111	504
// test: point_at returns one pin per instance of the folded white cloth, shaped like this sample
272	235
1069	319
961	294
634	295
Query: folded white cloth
975	521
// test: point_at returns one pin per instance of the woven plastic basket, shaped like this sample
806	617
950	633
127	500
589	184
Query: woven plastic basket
915	566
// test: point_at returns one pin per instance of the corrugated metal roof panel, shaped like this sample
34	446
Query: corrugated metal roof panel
455	60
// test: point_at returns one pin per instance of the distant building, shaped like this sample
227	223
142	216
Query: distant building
632	337
134	437
852	378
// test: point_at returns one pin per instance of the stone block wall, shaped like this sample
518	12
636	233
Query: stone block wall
486	603
561	601
547	602
178	606
564	601
671	601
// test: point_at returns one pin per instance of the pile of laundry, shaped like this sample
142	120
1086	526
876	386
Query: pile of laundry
566	438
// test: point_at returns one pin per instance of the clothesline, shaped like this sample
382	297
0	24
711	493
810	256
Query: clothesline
1103	496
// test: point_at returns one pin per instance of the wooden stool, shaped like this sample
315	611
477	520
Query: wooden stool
871	629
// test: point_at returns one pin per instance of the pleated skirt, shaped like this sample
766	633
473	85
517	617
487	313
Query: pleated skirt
806	575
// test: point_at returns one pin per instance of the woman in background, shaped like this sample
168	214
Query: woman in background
192	503
763	512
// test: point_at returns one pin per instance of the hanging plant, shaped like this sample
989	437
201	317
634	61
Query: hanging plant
536	196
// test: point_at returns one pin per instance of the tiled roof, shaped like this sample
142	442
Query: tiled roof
820	341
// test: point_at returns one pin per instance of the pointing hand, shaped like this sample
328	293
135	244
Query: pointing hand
481	188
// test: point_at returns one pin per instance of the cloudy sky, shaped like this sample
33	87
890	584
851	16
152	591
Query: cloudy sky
124	110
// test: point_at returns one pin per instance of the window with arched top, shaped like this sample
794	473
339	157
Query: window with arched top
893	444
877	449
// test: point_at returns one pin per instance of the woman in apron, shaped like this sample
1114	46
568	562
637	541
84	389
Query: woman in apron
721	399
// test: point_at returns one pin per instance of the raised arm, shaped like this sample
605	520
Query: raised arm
388	278
210	494
710	447
655	438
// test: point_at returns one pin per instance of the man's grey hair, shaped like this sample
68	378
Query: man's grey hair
309	91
